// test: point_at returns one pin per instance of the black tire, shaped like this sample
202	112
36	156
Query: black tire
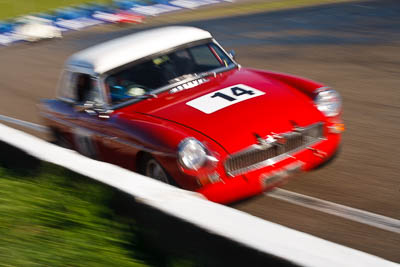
59	139
152	168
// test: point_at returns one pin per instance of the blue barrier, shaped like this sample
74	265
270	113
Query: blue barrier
87	15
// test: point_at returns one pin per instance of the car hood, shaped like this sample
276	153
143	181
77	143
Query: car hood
277	108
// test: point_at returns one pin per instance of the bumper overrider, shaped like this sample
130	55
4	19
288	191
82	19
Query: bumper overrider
272	161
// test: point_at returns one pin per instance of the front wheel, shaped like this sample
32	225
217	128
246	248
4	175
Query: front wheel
154	170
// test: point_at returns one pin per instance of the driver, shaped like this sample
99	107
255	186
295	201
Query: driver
121	89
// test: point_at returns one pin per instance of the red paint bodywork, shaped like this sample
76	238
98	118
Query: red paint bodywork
158	125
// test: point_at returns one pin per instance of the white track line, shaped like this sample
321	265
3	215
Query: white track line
357	215
365	217
30	125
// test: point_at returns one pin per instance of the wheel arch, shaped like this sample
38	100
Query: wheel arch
140	159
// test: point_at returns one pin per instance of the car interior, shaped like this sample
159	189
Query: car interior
163	70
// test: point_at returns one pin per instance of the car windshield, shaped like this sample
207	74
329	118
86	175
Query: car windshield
142	79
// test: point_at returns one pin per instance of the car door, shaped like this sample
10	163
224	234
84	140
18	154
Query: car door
61	113
97	134
88	100
79	90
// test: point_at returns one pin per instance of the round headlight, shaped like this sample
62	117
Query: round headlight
328	101
192	153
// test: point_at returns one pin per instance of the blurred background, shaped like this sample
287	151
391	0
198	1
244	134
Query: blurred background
52	216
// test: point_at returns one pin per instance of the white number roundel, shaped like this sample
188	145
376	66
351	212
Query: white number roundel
223	98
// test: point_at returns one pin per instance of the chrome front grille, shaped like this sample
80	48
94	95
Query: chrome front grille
261	155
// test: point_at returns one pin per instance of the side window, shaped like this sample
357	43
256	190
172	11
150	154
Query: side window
85	88
202	56
65	86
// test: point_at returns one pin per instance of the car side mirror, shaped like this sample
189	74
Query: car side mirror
92	108
88	107
232	53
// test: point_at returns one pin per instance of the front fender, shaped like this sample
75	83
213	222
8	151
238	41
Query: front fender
160	138
305	85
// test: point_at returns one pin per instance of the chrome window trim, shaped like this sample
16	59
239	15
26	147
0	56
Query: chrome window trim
223	50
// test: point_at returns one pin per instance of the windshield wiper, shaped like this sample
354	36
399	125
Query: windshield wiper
206	74
143	96
182	78
192	76
215	71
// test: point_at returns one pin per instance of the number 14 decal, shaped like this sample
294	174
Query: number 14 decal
223	98
237	91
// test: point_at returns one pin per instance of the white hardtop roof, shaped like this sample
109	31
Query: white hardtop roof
112	54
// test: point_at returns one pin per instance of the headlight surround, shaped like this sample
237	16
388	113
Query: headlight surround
192	154
328	101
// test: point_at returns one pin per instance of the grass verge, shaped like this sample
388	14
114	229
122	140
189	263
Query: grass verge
239	8
53	217
13	8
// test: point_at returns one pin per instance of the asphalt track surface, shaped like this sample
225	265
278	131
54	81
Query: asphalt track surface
352	47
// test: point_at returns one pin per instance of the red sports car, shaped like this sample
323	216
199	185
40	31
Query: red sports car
172	104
